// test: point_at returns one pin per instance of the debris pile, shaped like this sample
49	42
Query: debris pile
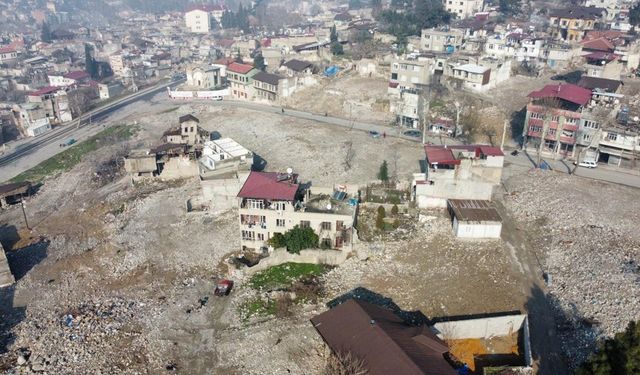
591	254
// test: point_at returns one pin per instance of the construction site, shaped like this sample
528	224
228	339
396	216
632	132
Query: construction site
120	277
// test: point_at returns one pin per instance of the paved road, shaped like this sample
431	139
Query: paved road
602	173
28	152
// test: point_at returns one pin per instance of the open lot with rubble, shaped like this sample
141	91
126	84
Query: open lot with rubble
108	264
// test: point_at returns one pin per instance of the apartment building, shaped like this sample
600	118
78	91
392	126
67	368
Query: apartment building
485	75
553	117
411	74
69	79
269	87
54	102
463	8
240	77
457	172
445	40
573	24
271	202
198	18
409	109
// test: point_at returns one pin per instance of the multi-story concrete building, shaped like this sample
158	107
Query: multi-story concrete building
188	132
54	102
553	118
271	203
409	109
485	75
410	74
68	79
117	63
446	40
573	24
463	8
240	77
197	19
271	87
457	172
8	54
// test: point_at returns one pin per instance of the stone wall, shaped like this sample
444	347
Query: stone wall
316	256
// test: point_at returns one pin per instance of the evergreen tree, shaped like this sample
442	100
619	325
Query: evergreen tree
619	355
334	34
90	64
239	58
45	33
336	48
383	173
258	61
634	15
380	218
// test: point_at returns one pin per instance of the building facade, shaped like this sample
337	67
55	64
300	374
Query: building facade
573	24
463	8
198	20
240	78
271	203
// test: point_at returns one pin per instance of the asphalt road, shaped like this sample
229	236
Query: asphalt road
12	161
47	145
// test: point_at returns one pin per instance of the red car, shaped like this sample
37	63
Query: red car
223	288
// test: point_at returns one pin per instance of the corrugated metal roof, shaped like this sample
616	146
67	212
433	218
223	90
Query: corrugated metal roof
474	210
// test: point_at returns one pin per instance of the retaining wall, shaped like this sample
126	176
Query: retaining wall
315	256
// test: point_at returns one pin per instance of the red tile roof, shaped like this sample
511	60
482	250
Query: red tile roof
600	44
7	49
239	68
565	91
265	185
225	61
44	91
77	75
438	154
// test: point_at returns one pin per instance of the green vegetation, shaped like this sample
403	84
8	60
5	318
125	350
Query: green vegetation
394	210
413	17
510	7
380	218
295	239
285	275
383	173
70	157
258	307
258	62
336	47
617	356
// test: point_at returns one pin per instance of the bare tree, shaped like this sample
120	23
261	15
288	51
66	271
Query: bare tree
344	363
349	155
79	100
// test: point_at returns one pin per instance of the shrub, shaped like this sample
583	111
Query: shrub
394	210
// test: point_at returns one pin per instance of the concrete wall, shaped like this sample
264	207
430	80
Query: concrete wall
487	328
467	229
6	277
436	195
280	256
222	193
179	167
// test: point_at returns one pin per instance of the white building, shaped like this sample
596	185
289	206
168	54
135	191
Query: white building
198	20
203	76
476	219
8	54
223	156
463	8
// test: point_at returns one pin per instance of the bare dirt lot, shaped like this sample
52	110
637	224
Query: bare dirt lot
120	278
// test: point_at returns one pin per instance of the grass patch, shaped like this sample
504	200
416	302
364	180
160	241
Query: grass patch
258	307
285	275
73	155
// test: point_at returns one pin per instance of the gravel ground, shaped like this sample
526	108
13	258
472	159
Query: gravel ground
587	233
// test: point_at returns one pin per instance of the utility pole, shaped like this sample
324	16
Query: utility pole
24	213
504	133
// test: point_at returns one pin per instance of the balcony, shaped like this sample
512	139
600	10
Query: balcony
567	140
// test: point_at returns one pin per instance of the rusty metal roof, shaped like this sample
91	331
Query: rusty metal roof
474	210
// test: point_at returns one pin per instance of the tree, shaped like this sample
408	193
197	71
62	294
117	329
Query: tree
349	155
510	7
90	63
333	36
295	239
258	61
394	210
336	48
619	355
634	15
383	173
45	33
239	58
380	217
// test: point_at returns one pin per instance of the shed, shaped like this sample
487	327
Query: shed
474	218
13	192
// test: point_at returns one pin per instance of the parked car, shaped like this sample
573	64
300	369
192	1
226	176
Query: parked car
374	134
223	288
413	133
588	164
68	142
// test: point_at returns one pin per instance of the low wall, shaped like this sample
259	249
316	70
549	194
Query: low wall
316	256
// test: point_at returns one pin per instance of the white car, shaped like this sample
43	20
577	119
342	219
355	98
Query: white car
588	164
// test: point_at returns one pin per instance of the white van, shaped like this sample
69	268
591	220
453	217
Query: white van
588	164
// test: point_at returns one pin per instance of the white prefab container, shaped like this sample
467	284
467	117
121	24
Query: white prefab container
474	218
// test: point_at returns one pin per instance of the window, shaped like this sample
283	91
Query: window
325	225
326	242
591	124
305	224
535	129
572	120
551	132
260	236
255	204
280	206
340	225
555	118
248	235
612	136
339	242
536	115
280	222
586	137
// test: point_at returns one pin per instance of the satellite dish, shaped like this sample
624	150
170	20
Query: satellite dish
328	206
636	118
289	170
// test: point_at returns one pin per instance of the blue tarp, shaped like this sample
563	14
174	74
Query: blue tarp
331	71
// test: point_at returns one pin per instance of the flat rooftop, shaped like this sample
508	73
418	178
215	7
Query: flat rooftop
337	203
474	210
231	147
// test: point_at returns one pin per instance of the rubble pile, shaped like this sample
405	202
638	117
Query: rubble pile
97	334
591	254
